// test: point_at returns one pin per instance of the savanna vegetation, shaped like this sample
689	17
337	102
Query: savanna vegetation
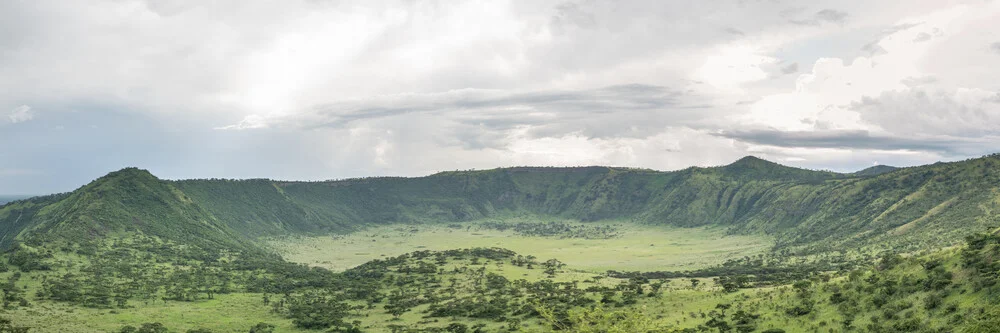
749	247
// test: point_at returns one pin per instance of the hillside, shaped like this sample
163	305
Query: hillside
126	201
132	249
939	203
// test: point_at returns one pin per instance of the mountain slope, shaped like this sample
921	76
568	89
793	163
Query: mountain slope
126	201
935	204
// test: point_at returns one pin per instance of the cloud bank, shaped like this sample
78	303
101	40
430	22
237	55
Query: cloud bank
332	89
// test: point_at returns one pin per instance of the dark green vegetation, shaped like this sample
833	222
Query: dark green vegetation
8	198
130	240
554	229
938	203
875	170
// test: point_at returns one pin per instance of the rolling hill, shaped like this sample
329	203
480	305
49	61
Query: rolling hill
131	246
939	203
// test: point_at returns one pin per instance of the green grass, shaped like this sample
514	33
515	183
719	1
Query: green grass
639	247
225	313
678	305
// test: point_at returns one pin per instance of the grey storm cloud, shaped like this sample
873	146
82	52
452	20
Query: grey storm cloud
854	139
920	110
503	110
913	82
995	47
790	68
735	31
995	98
872	48
822	16
830	15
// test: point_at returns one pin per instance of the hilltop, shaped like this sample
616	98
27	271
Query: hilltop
128	200
875	170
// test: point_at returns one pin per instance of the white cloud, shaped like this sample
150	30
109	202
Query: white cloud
249	122
21	114
410	87
732	66
829	96
960	112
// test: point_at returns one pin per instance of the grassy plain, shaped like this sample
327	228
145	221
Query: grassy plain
637	248
226	313
679	305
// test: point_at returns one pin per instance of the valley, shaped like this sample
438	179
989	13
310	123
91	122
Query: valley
748	247
566	166
633	247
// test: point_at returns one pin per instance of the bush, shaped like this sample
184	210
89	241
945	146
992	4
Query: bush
262	328
144	328
933	301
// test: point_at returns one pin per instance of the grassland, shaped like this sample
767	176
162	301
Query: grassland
866	306
636	248
226	313
809	247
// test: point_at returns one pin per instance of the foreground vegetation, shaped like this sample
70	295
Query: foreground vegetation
132	281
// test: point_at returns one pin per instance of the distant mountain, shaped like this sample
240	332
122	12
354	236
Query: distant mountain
753	168
934	204
874	170
8	198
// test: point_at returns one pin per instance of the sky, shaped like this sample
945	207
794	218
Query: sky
316	89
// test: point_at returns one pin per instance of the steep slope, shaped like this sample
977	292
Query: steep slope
938	203
814	210
126	201
15	216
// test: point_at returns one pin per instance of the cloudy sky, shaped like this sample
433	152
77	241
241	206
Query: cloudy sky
319	89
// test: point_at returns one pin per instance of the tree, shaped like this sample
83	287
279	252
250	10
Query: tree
396	309
144	328
262	328
457	328
596	319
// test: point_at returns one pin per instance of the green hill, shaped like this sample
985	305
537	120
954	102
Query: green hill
935	204
129	247
874	170
126	201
